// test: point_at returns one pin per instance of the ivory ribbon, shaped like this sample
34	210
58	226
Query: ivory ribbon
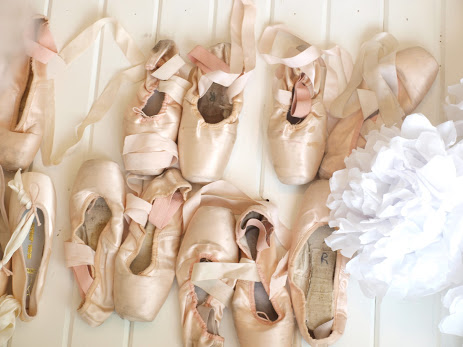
104	102
148	151
336	60
209	275
9	310
22	229
159	213
376	65
242	55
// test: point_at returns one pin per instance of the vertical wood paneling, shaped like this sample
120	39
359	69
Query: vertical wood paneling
435	25
351	23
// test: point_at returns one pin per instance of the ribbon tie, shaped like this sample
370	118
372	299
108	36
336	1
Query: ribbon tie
159	213
24	225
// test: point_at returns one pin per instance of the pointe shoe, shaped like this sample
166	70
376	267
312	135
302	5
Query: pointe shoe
145	263
151	124
297	129
32	223
213	104
390	89
209	125
96	211
262	310
316	274
24	104
209	237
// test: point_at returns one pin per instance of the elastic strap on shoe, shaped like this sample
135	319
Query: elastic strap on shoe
242	55
79	257
104	102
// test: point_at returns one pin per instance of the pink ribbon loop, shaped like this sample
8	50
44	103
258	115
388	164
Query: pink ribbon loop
302	99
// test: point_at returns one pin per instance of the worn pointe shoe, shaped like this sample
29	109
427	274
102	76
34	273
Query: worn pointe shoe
386	86
316	274
96	210
262	310
151	124
297	129
209	237
24	104
213	104
145	263
32	224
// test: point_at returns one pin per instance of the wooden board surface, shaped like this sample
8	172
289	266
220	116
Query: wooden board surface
436	25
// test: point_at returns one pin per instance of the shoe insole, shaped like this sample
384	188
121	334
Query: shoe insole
97	216
33	251
154	104
264	307
322	264
206	312
143	258
214	106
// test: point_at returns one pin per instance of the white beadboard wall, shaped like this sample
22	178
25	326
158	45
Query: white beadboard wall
437	25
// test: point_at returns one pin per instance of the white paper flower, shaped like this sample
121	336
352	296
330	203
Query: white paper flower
453	323
399	209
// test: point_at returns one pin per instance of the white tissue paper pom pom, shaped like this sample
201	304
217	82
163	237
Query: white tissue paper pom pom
398	207
453	323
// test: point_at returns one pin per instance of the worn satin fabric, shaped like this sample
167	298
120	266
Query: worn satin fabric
297	149
416	70
311	216
205	149
5	233
167	121
210	233
21	135
99	178
252	329
139	297
41	189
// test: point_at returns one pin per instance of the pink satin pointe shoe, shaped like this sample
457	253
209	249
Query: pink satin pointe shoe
262	310
211	108
316	274
209	237
145	263
151	124
24	104
386	86
32	223
97	220
304	82
26	253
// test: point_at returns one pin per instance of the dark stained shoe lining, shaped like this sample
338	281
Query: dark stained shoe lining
214	105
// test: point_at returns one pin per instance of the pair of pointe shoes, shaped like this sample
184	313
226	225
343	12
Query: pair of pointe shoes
314	88
26	236
169	109
199	111
235	262
134	276
24	103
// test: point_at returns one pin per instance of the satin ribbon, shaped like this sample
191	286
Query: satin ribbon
376	66
160	213
101	106
44	49
336	60
242	55
302	99
79	257
22	229
10	308
3	214
148	151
